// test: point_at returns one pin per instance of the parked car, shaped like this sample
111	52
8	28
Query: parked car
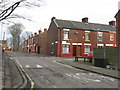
90	55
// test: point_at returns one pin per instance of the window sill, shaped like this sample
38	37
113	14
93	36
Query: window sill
65	39
87	40
65	53
85	53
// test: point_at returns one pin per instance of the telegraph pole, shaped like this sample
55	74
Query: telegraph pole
3	36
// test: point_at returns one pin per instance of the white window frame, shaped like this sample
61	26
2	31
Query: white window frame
111	37
66	35
100	36
65	48
87	36
87	50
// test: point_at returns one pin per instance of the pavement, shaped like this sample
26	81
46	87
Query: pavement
94	69
0	68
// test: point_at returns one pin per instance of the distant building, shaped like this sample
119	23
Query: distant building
73	38
36	43
3	44
117	16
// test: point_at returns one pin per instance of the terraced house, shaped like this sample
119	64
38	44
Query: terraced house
36	43
68	38
117	16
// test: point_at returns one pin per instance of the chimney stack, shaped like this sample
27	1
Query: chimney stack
45	29
35	34
31	35
53	18
112	23
85	20
40	31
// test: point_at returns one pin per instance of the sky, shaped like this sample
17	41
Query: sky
98	11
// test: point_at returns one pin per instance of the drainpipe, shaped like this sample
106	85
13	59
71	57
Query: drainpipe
60	42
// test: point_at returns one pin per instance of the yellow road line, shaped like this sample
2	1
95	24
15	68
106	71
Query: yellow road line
32	83
66	65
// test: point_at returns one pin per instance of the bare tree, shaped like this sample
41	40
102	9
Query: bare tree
7	7
9	41
15	30
25	35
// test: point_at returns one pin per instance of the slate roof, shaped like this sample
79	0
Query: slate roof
67	24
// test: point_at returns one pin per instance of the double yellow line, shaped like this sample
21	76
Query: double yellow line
32	83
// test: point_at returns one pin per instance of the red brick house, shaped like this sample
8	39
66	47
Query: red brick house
36	43
43	42
25	47
72	38
117	16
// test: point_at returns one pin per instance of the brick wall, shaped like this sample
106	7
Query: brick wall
118	28
52	37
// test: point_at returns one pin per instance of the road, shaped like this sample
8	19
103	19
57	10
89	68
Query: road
45	72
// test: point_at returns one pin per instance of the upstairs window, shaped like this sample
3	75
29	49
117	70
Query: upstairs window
87	36
66	35
111	37
100	36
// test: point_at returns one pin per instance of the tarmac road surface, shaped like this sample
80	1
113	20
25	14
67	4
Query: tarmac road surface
45	72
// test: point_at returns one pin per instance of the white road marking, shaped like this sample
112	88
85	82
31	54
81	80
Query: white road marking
97	80
112	79
11	58
90	74
108	78
68	75
38	66
76	77
77	74
54	87
27	66
66	65
82	73
32	83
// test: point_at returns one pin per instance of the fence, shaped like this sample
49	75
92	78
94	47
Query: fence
111	54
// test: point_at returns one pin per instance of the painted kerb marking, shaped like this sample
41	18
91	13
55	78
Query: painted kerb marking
32	83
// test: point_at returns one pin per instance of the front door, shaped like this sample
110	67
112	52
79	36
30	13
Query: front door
74	50
79	50
38	49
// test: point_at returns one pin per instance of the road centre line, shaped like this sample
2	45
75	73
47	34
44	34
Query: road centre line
32	83
39	66
27	66
65	65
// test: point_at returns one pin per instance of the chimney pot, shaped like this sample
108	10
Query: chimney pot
112	23
40	31
45	29
85	20
31	35
35	34
53	18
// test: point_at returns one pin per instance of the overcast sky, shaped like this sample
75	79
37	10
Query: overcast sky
98	11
